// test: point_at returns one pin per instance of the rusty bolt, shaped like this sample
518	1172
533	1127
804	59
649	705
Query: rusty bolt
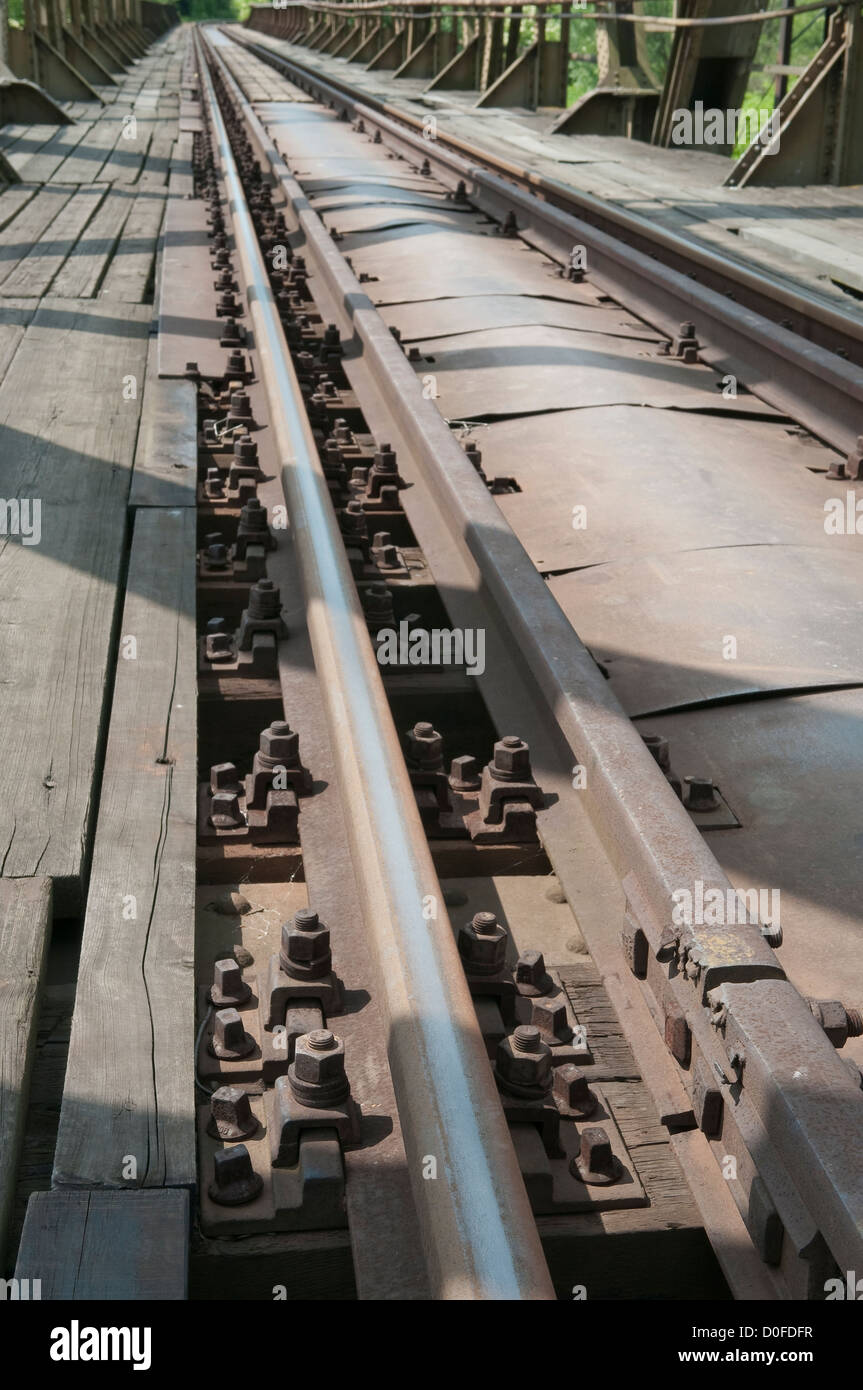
425	747
253	515
235	1181
384	553
279	745
225	813
223	777
385	460
523	1064
214	483
305	950
228	985
482	944
231	1114
216	556
230	1041
658	745
572	1091
265	600
317	1074
548	1013
596	1165
531	976
511	760
839	1022
245	450
464	774
772	933
700	794
378	605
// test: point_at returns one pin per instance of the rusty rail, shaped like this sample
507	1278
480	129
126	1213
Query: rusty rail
481	1239
793	1122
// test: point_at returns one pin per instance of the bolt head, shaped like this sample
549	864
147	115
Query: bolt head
482	944
571	1089
305	948
319	1058
523	1063
234	1179
596	1165
425	745
280	743
464	774
231	1114
225	811
229	987
511	762
548	1014
531	976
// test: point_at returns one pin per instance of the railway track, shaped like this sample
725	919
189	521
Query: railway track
407	368
507	553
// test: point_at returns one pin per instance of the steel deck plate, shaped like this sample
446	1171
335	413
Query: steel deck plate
473	313
318	173
386	217
660	624
428	262
792	770
652	483
309	131
519	371
368	193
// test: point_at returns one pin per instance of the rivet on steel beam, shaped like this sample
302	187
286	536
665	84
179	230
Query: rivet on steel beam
235	1181
700	794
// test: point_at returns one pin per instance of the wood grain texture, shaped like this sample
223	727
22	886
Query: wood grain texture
25	925
106	1245
166	459
67	438
129	1085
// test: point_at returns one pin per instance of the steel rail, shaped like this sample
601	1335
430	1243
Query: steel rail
481	1238
801	373
648	837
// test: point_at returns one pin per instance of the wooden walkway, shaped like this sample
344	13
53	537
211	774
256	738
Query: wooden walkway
97	761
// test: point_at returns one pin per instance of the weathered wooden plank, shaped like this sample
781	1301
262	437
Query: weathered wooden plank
106	1245
25	926
18	236
128	1106
44	162
85	266
33	275
84	163
166	459
67	437
131	268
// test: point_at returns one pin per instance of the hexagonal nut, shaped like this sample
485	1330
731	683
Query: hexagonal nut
425	744
280	742
548	1014
319	1058
482	944
305	945
524	1069
512	759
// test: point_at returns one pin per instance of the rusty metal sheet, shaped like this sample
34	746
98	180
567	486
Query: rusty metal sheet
661	625
317	172
428	262
302	131
516	371
473	313
385	217
792	769
667	481
366	193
